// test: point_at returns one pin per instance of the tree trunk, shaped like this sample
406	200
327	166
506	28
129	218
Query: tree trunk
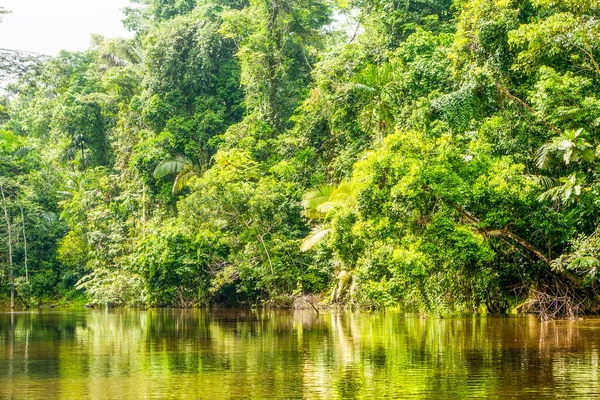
24	243
10	260
274	36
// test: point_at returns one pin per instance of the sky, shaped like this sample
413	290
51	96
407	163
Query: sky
48	26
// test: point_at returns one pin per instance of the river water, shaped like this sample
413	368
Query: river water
197	354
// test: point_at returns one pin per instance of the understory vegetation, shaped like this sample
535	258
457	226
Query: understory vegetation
435	155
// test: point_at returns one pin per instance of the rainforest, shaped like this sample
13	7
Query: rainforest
434	156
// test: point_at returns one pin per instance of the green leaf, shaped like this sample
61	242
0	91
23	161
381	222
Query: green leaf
314	238
169	167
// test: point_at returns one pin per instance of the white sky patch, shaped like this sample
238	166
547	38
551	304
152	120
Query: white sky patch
48	26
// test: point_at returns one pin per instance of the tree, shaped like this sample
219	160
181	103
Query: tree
9	242
24	242
275	41
378	86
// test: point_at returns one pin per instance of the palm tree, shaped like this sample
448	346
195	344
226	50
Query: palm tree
319	203
378	86
185	168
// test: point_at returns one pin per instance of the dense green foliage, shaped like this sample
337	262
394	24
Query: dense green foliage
437	155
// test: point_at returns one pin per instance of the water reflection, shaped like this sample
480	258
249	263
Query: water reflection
252	354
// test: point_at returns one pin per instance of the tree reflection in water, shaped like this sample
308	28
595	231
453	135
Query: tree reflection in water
273	354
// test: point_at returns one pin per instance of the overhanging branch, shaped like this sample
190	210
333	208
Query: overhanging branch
503	233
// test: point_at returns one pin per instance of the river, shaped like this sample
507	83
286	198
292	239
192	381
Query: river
245	354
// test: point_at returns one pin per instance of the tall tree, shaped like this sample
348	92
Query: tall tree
9	242
277	43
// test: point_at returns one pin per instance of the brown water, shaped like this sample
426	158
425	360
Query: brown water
175	354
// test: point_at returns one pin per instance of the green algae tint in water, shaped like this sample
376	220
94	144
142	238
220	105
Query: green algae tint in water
175	354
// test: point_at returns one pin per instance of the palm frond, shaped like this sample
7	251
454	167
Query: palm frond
170	167
320	201
22	151
112	60
315	199
342	194
555	194
545	182
184	167
119	53
314	238
182	180
543	156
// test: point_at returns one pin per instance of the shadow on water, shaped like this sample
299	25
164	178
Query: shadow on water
214	354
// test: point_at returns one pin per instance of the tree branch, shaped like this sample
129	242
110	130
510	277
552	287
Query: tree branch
503	233
511	96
